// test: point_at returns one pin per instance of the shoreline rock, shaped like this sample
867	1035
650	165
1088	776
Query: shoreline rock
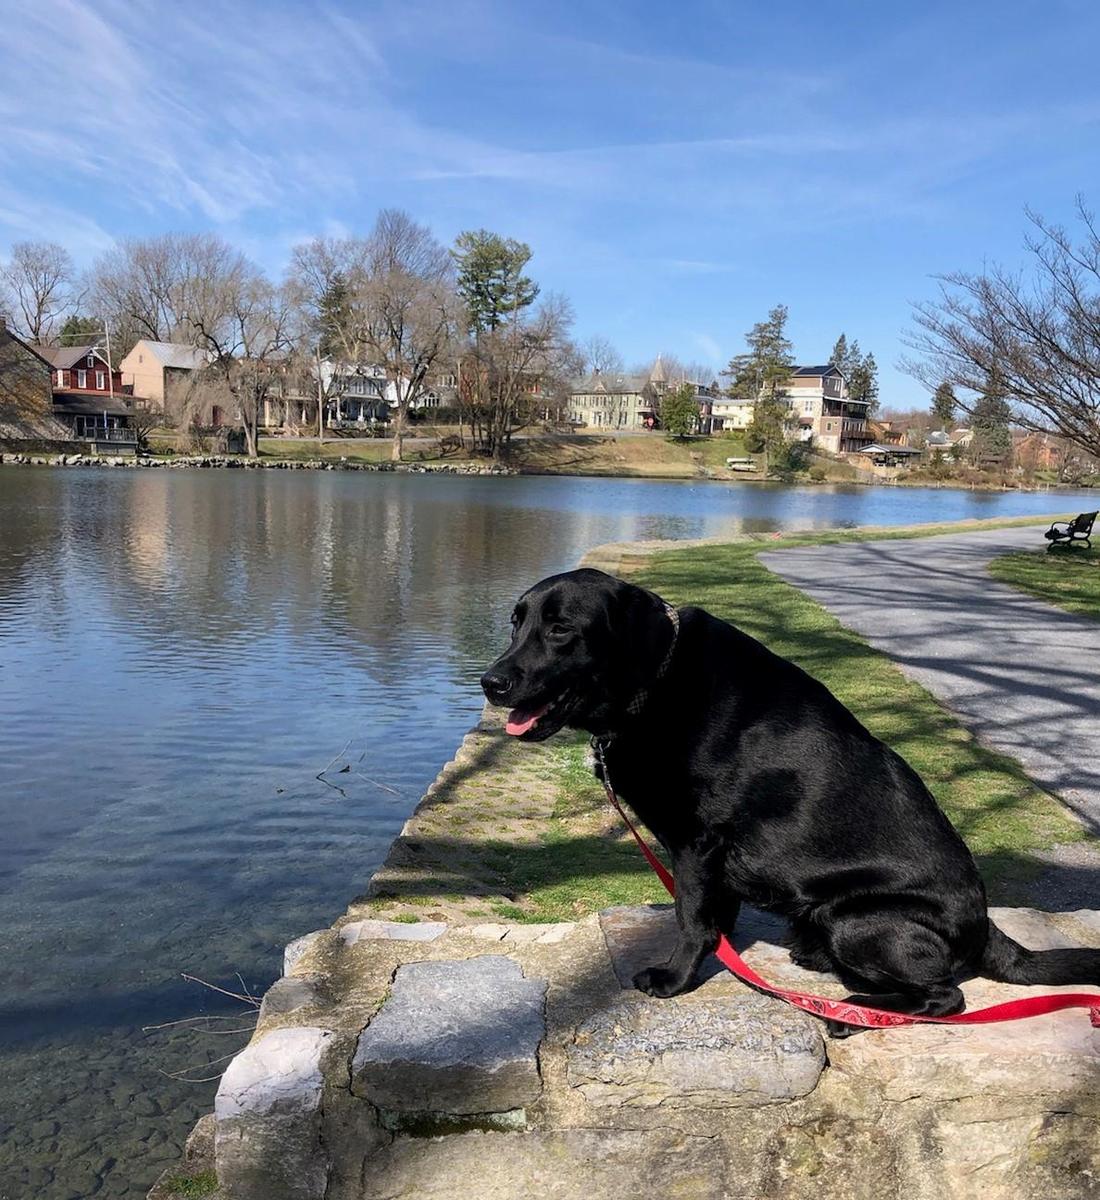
234	462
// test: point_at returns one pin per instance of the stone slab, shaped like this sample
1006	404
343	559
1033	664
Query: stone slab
454	1037
294	950
394	931
603	1164
293	992
268	1118
696	1052
643	935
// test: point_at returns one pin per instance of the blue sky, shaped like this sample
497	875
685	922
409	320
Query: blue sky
677	169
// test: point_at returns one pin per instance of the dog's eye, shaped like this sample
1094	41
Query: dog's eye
558	631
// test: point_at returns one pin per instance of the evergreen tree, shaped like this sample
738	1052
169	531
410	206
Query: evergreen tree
491	281
839	356
943	405
863	381
680	411
334	316
991	444
760	375
78	330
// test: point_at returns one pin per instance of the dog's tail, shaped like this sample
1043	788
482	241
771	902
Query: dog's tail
1008	962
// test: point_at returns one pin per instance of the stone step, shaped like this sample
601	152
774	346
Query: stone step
454	1038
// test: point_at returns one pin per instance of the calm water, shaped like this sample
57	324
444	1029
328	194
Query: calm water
181	652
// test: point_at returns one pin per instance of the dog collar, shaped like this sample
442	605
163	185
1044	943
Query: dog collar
642	695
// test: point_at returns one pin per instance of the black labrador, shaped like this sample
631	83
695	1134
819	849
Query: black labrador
762	787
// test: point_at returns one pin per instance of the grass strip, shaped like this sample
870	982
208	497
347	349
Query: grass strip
1068	578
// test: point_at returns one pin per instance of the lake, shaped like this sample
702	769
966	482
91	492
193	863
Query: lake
182	653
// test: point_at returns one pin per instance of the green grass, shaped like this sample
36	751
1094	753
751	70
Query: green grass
1001	813
1069	577
203	1184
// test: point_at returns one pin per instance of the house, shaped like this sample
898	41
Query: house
892	455
89	397
615	400
887	433
82	369
819	410
26	393
823	412
732	412
153	369
356	395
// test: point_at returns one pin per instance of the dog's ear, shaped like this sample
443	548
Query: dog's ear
639	635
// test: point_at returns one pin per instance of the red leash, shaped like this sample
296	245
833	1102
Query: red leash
860	1014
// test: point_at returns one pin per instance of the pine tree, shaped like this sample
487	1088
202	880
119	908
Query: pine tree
334	317
78	329
863	381
943	405
760	375
491	279
991	443
839	356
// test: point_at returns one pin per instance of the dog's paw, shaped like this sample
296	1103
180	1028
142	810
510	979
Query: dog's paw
838	1030
659	982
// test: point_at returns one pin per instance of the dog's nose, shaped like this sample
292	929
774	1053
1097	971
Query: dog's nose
496	687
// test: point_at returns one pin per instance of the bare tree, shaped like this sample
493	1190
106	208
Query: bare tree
251	343
1039	333
518	372
326	278
409	308
598	354
39	288
166	287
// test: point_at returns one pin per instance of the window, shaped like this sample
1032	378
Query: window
808	408
100	380
60	377
141	358
82	379
91	360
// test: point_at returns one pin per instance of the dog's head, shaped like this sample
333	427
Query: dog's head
584	644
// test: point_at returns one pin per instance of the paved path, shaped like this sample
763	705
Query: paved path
1022	675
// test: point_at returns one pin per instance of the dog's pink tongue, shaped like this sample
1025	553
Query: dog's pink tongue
521	719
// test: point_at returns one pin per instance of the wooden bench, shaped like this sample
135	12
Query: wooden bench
1077	530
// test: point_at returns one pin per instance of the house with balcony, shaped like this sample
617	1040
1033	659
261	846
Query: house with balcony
821	410
89	396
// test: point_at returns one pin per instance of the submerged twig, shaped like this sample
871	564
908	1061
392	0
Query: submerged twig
248	999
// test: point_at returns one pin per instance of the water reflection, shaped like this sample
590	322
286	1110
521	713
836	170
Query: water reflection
180	654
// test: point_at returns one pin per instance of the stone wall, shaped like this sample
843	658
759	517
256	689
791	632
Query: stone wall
440	1060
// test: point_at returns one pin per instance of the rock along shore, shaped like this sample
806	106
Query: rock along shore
234	462
446	1059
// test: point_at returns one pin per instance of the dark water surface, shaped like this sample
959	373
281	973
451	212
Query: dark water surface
181	652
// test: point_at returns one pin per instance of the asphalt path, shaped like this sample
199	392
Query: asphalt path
1022	675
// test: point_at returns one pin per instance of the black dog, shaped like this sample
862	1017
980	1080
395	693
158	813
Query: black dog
762	787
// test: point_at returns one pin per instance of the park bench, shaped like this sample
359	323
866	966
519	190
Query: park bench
1077	530
450	444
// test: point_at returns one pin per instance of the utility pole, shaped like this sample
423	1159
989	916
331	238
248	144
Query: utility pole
320	399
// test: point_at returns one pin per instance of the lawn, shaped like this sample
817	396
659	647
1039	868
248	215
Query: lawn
529	835
1069	577
999	811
